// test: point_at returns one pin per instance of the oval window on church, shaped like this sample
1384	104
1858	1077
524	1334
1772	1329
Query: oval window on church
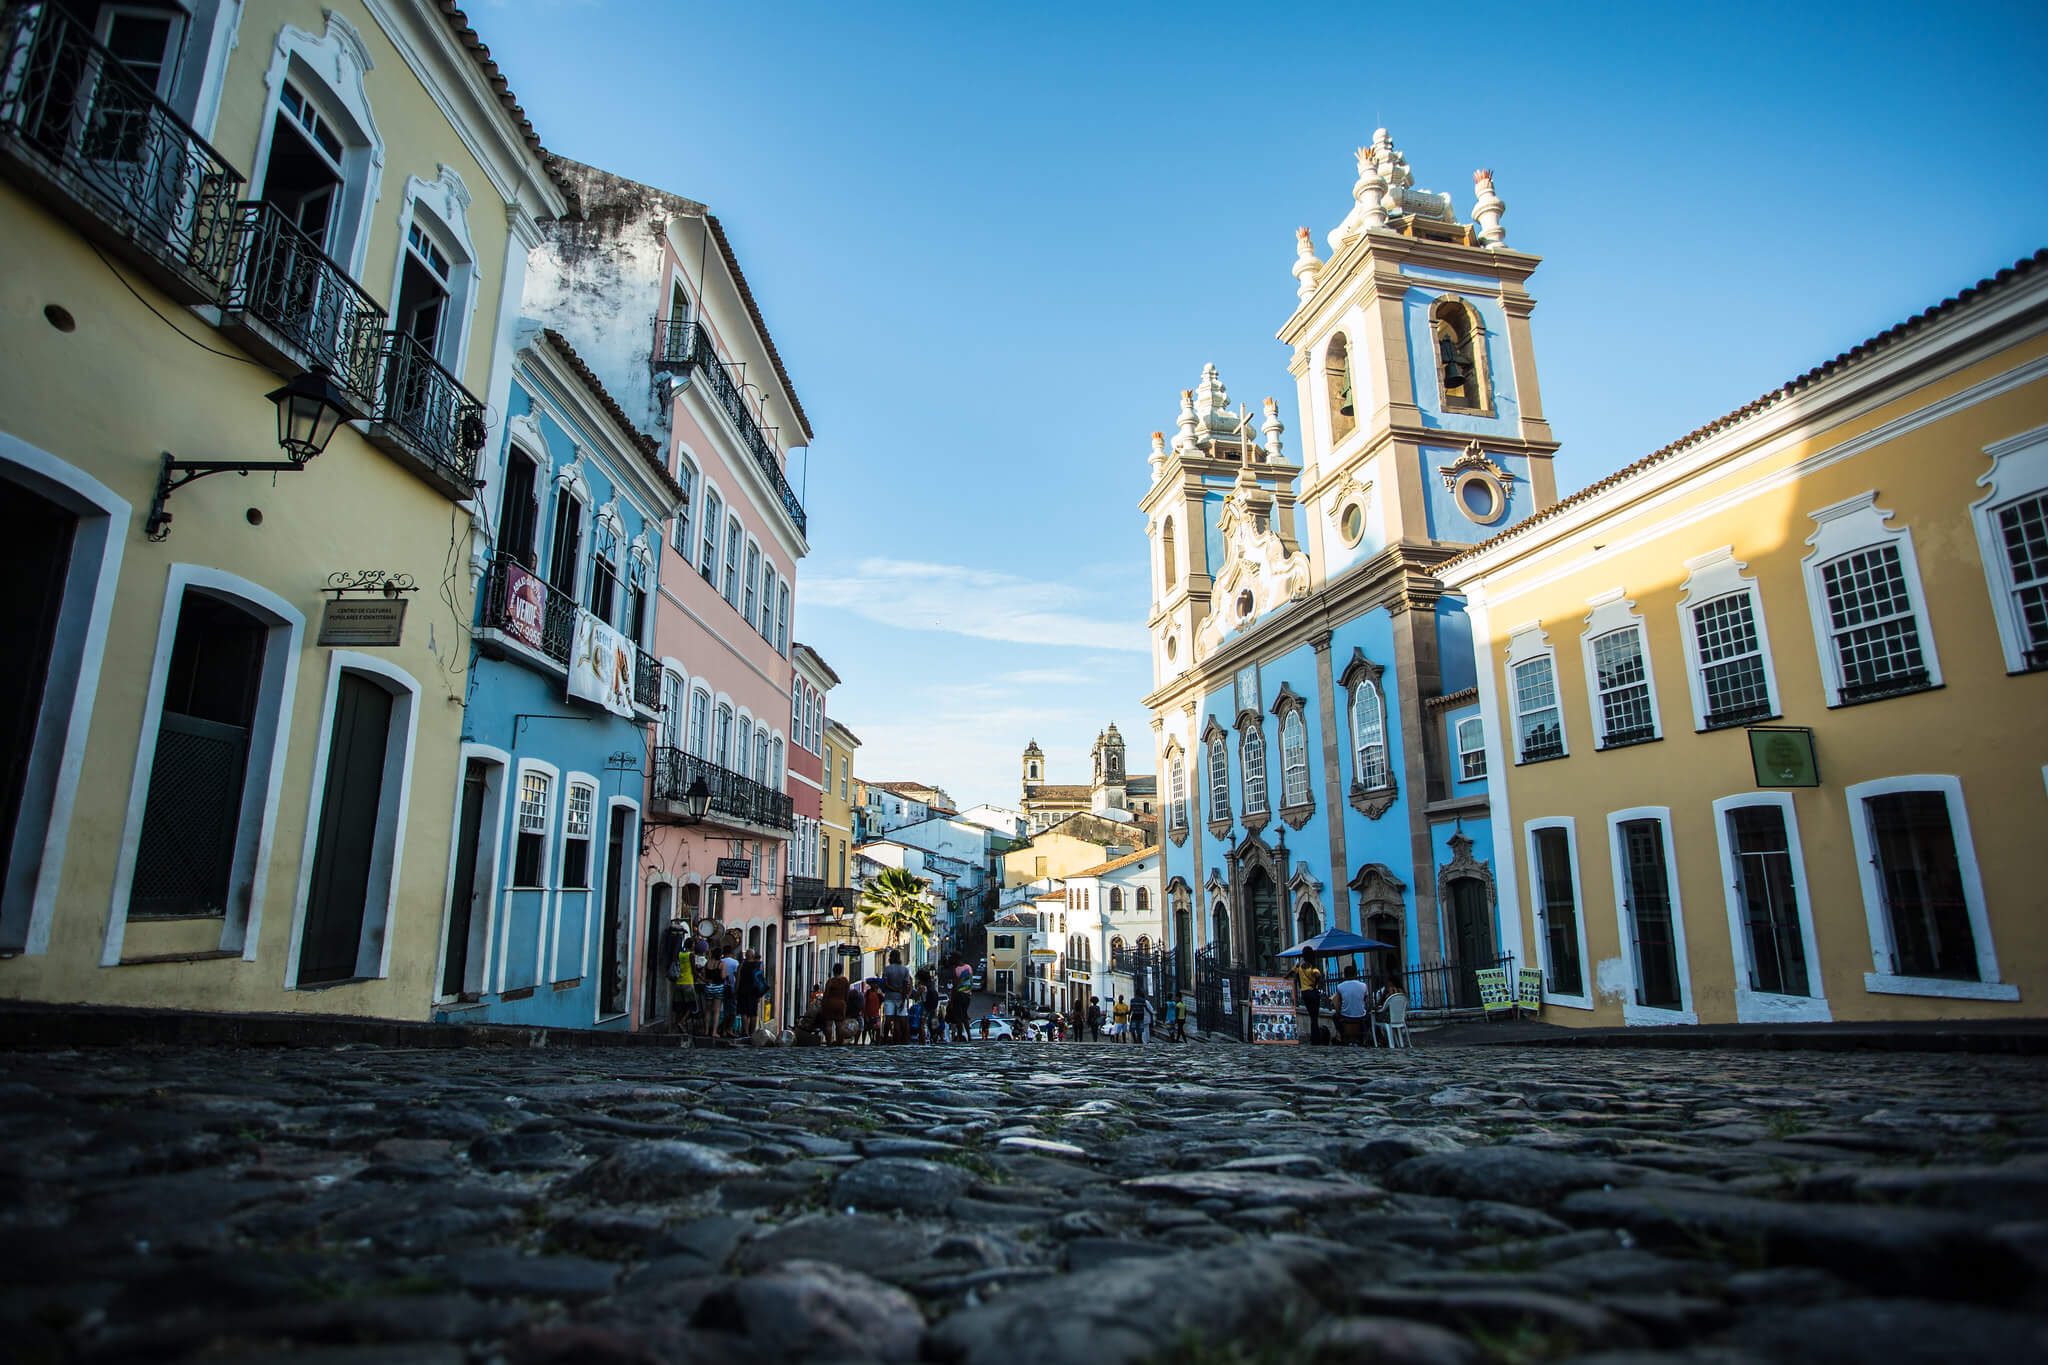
1244	604
1481	497
1351	523
1172	646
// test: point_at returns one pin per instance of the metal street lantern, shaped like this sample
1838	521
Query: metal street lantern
697	799
309	409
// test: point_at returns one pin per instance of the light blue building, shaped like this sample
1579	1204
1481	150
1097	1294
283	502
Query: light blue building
1319	747
559	692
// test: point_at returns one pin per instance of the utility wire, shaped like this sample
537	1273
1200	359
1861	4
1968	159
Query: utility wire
225	355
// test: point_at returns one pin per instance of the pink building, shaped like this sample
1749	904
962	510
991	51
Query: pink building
646	286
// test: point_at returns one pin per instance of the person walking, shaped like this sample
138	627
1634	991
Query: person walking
1141	1009
747	992
832	1006
896	984
871	1011
957	1006
1167	1009
1180	1022
1352	1006
1095	1018
714	997
1120	1020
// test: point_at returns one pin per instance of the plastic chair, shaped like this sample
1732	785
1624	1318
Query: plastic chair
1395	1026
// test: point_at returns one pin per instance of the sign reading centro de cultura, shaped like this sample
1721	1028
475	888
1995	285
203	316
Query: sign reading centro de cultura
735	867
367	621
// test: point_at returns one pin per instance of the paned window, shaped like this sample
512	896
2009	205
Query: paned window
782	618
775	763
700	723
1622	683
604	573
2023	536
671	710
707	564
722	750
1768	894
1914	849
1219	779
533	829
1369	735
1871	626
746	745
1539	725
1252	757
734	540
1177	792
761	757
1647	910
1731	661
576	838
796	708
1558	908
1471	749
750	585
845	766
1293	761
679	533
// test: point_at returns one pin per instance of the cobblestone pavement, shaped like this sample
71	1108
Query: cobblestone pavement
1022	1203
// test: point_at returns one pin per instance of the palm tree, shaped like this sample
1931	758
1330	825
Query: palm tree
895	900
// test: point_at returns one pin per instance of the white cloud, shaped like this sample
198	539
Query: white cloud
975	602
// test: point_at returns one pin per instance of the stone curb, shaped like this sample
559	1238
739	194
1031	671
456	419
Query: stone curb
26	1025
2018	1037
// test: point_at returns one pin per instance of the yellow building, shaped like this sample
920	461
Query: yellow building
1763	709
227	785
842	796
1077	842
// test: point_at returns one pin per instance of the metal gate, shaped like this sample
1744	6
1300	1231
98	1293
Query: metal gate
1220	992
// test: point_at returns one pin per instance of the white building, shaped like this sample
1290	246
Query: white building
1113	924
1001	819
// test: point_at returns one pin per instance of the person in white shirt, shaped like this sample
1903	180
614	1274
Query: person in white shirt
1351	1007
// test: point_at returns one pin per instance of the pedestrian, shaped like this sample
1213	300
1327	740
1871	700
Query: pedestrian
832	1008
1352	1006
751	984
1180	1021
1167	1009
714	996
1095	1018
934	1022
732	981
1312	1001
896	984
1120	1019
1140	1009
871	1001
984	1026
682	991
957	1005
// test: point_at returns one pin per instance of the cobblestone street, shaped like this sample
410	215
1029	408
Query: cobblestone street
1023	1202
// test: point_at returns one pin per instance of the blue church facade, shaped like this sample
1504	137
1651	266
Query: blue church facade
559	694
1320	754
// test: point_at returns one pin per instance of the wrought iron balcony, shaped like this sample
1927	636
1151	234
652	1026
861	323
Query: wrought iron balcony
291	304
91	138
646	680
735	798
1888	685
685	347
425	417
811	896
1541	744
1740	715
1634	734
546	625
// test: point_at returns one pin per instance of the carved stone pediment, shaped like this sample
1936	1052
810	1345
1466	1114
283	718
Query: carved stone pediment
1259	573
1376	883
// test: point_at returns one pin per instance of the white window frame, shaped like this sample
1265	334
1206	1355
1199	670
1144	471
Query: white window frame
698	739
723	715
1631	1012
1613	611
1881	980
1710	577
1216	752
1293	759
1377	711
1583	1000
2019	469
1768	1007
394	802
1177	801
782	618
1528	643
712	530
735	557
1253	741
682	525
308	61
569	479
445	222
1458	742
70	687
544	888
1844	528
263	780
753	562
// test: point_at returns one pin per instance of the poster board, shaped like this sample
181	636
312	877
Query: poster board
1273	1010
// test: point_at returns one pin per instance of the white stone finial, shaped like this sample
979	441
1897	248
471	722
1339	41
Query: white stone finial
1185	441
1273	428
1305	264
1158	456
1369	191
1488	211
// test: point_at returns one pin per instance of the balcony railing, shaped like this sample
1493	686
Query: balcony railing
685	346
79	125
1545	742
646	680
1886	685
424	414
733	796
547	625
304	308
811	896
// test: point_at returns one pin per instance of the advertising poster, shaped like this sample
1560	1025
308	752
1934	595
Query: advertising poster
601	666
1273	1010
523	598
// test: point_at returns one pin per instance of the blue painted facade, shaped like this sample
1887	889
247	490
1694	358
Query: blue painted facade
1393	838
554	937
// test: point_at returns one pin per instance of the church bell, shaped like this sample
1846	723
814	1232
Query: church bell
1454	373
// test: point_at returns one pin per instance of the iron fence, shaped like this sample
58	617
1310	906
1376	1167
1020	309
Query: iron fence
499	609
646	679
305	297
76	117
426	407
1445	986
685	346
733	796
1220	993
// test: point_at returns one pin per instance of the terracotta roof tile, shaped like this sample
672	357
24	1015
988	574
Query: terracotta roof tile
1861	351
458	24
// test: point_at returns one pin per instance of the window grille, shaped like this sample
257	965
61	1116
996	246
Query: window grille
533	803
1253	758
1219	779
1623	684
1471	749
1871	623
1369	735
1293	761
1731	661
1922	880
1540	724
579	819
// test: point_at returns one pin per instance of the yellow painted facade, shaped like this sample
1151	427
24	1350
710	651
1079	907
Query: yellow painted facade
1797	902
842	793
87	411
1058	853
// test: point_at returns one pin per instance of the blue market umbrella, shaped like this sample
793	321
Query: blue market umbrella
1334	943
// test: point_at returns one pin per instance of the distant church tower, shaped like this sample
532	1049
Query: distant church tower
1034	767
1107	791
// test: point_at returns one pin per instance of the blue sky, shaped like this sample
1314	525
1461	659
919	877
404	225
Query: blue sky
994	243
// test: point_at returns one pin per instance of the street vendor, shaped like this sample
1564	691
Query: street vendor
1308	981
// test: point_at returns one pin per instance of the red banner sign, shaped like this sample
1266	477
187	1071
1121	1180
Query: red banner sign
525	597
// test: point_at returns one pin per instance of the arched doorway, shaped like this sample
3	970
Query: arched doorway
1264	900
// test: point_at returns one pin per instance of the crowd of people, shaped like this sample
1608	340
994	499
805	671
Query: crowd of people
898	1007
1354	1004
714	991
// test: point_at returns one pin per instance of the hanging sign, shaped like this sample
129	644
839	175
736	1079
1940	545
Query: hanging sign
367	621
1782	756
735	867
601	666
1273	1010
525	601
